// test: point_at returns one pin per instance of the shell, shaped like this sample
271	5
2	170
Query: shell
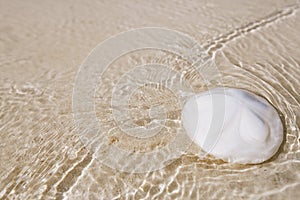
233	125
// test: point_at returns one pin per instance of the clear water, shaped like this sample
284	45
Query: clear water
255	45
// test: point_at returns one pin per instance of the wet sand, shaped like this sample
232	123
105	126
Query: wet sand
255	45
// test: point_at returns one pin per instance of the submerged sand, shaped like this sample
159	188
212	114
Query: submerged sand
255	45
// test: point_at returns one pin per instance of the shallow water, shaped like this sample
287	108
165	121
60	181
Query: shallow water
255	45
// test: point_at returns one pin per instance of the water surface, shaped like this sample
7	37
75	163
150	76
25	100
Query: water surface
255	45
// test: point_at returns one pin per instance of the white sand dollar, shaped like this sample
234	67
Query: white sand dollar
233	125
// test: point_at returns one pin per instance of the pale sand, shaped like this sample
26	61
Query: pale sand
42	44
